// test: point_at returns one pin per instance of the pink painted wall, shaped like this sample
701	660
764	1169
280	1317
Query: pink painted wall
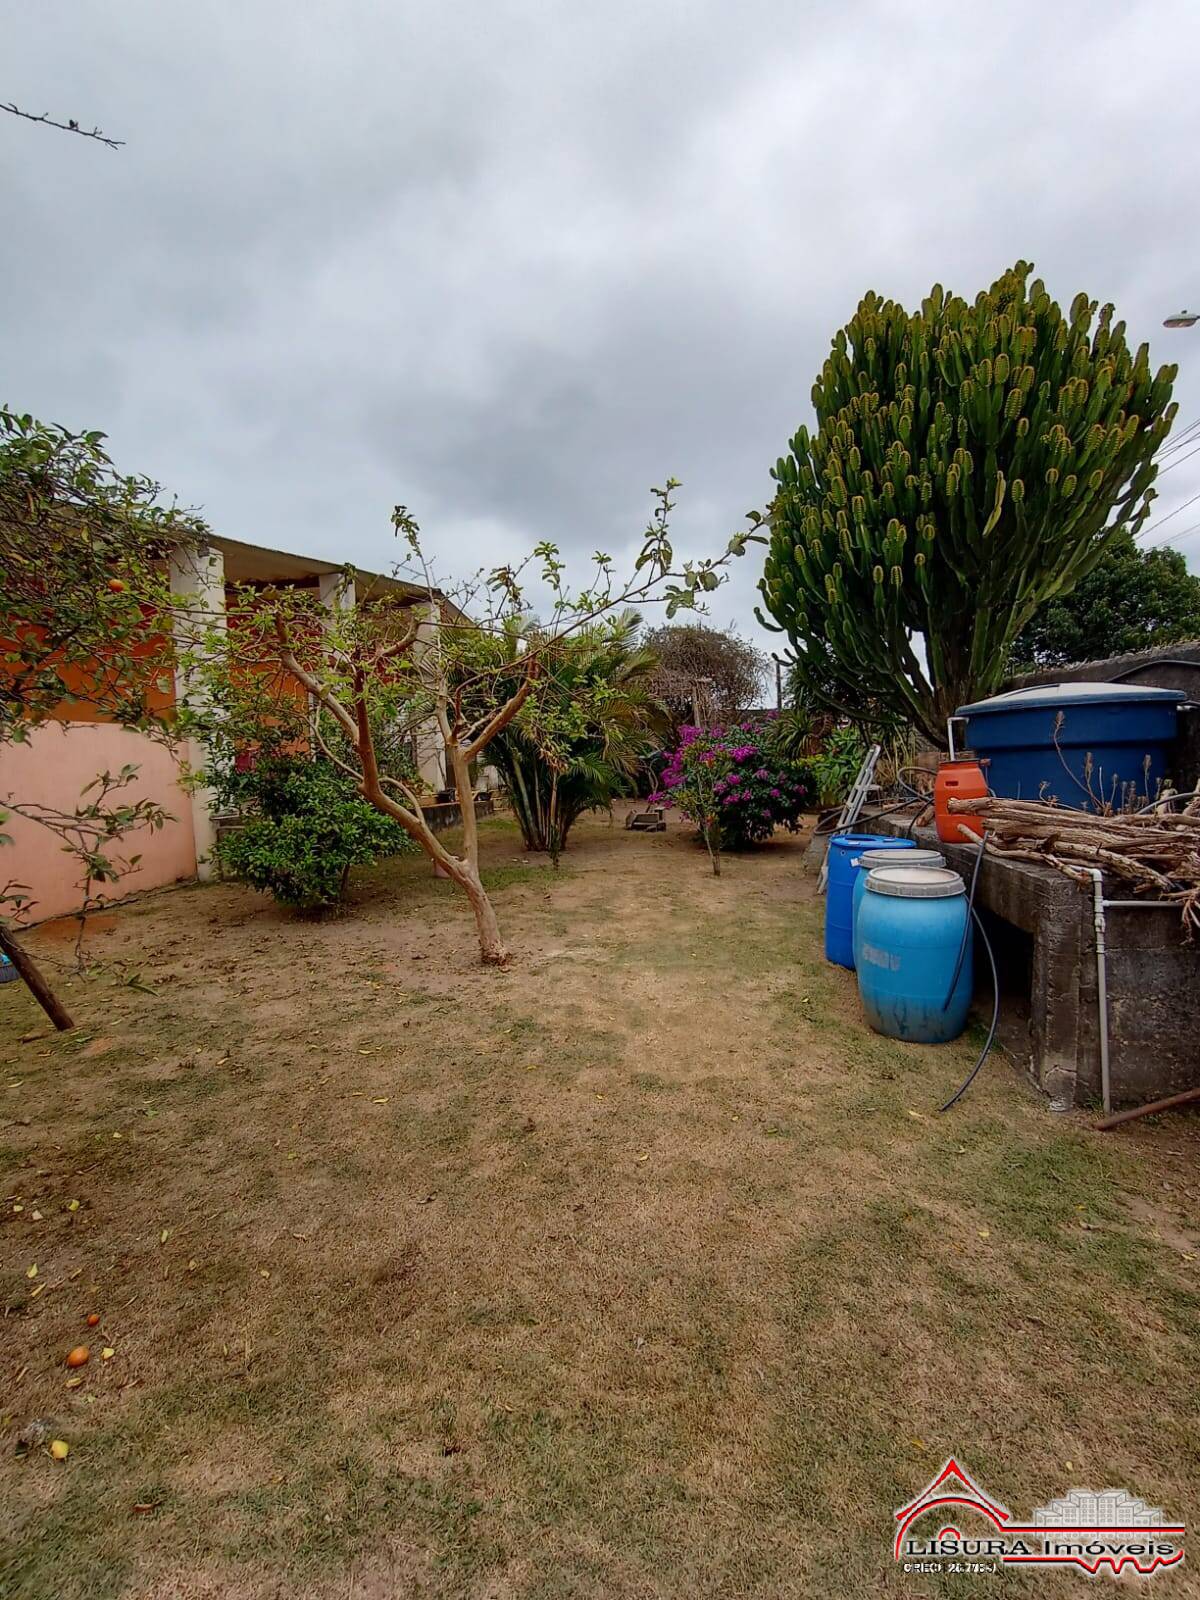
52	769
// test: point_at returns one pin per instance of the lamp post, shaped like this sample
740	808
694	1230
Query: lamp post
1182	319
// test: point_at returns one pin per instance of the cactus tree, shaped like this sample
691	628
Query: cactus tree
971	460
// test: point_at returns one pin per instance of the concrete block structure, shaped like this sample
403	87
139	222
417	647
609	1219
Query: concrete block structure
1041	924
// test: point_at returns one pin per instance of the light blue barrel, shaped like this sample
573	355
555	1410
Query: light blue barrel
839	889
882	858
910	929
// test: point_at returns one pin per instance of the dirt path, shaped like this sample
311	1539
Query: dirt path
639	1269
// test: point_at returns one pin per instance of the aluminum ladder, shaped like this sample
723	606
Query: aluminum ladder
853	805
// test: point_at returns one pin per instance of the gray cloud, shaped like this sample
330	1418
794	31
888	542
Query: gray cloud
513	263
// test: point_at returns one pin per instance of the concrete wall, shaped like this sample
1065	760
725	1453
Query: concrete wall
1153	984
51	770
1153	1008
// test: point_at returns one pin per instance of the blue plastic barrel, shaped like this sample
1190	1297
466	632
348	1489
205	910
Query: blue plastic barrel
910	929
1078	743
839	890
883	858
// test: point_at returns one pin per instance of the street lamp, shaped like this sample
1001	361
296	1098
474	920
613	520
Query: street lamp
1182	319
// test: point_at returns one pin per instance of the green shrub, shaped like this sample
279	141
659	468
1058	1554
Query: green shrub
308	826
836	765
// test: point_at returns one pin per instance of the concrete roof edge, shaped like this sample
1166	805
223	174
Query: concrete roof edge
292	564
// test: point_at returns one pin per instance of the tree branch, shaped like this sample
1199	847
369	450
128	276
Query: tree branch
504	716
334	706
70	126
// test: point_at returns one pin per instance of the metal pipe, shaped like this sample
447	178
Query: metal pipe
1100	906
1187	1098
1098	920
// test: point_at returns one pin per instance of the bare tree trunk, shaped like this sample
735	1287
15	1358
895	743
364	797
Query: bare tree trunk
37	985
492	949
713	840
465	871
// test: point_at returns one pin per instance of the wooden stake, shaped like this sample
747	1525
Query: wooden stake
36	984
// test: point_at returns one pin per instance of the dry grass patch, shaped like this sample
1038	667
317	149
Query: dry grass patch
640	1269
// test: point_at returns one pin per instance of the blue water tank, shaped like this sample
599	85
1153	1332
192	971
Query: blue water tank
911	926
882	858
839	889
1077	743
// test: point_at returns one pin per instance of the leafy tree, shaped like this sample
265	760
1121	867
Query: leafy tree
971	461
579	739
307	827
83	581
83	589
705	672
1132	599
388	662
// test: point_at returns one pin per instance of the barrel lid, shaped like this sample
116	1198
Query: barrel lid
915	883
860	841
912	858
1050	695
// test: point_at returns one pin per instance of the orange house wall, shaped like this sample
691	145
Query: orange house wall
65	754
52	769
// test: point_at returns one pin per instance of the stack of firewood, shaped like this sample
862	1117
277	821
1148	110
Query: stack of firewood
1154	852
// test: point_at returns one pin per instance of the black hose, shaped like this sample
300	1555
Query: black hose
900	805
962	944
917	794
962	950
987	1043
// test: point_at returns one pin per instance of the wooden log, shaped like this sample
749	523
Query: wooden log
1071	817
1153	852
1130	836
1039	858
36	984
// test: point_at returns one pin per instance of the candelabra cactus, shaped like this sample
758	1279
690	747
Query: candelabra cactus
971	460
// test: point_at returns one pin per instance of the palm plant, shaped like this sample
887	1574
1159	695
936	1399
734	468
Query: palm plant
579	739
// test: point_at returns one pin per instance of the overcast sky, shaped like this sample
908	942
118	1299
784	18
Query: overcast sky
512	264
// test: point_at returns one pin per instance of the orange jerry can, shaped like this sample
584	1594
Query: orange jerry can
958	780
